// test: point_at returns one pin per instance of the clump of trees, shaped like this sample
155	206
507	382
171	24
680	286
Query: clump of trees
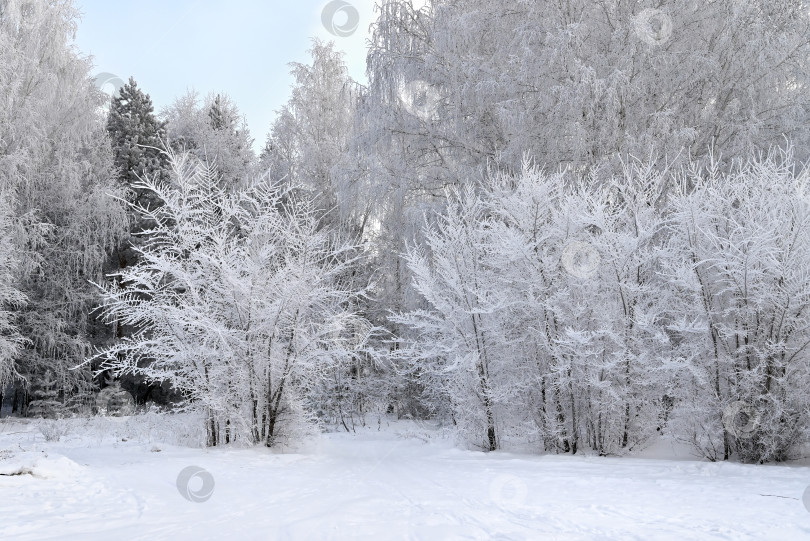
698	299
236	300
59	222
394	248
213	130
11	298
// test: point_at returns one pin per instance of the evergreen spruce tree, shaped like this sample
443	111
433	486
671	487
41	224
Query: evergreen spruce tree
220	118
45	398
137	139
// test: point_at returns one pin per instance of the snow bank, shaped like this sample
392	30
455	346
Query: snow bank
39	465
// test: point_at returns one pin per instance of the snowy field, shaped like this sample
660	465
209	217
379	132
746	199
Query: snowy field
404	481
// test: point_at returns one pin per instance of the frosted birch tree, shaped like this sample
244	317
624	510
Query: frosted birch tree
56	160
213	129
588	83
457	353
313	130
11	297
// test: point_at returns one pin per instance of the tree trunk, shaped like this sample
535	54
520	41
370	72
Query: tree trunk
491	429
211	430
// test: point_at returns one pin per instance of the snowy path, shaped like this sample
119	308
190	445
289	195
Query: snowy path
378	486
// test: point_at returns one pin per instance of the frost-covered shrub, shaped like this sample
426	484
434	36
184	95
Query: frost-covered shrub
738	267
54	429
236	300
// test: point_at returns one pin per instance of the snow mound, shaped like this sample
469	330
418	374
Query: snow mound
39	465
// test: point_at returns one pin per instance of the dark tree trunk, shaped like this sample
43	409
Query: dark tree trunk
271	428
18	405
491	434
212	430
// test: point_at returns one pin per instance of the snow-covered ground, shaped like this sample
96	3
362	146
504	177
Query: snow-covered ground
401	482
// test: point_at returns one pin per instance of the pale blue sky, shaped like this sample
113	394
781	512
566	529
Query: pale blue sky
241	47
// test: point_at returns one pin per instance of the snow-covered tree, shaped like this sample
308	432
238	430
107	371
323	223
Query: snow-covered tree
11	297
543	308
45	397
587	83
136	133
236	301
460	88
312	145
137	137
312	133
55	159
459	353
214	131
739	267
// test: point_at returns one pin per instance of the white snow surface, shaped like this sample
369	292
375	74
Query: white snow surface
392	481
